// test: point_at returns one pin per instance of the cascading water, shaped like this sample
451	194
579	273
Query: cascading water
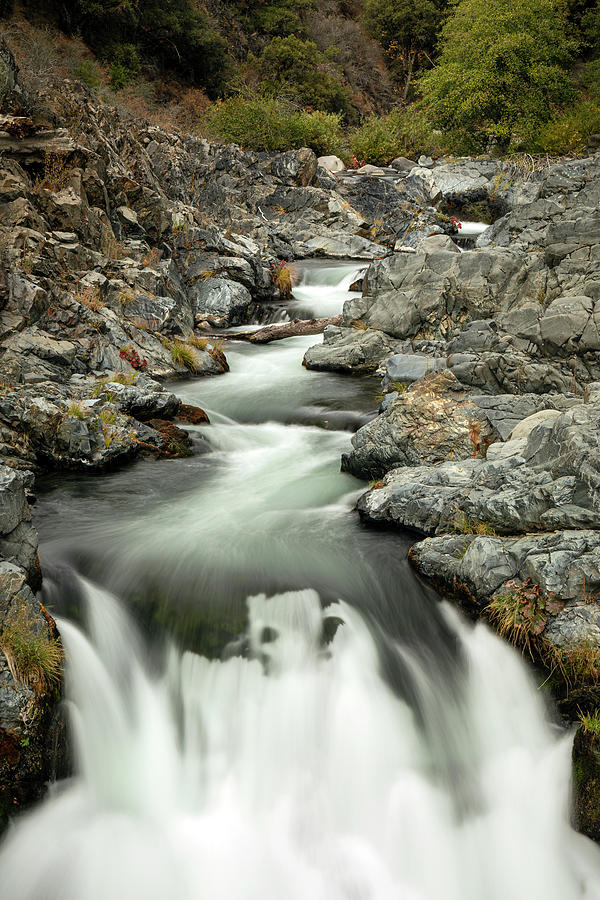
354	740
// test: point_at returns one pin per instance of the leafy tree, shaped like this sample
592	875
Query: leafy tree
501	72
406	29
297	65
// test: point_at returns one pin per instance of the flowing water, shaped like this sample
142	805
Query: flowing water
275	706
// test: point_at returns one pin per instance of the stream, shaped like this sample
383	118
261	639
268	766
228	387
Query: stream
265	702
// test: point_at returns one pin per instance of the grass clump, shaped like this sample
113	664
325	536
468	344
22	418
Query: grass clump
108	415
198	343
183	355
590	722
465	524
520	611
281	279
33	658
76	410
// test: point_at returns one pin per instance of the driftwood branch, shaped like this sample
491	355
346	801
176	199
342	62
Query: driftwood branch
286	329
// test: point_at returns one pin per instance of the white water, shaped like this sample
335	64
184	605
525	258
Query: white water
472	229
297	772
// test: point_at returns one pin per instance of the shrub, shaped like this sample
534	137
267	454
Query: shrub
266	123
87	72
403	132
56	173
291	63
590	722
34	658
133	358
281	278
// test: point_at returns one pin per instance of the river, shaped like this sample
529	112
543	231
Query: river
265	702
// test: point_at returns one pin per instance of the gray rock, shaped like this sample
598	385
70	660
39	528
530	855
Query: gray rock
347	350
331	163
220	301
408	367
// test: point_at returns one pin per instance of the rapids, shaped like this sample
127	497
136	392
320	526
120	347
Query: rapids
264	701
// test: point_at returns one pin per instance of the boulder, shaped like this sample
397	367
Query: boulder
331	164
220	301
298	166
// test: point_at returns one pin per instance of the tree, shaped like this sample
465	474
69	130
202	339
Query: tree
406	29
502	70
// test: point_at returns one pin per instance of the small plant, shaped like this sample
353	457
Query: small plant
33	658
480	444
183	356
152	258
590	722
464	524
56	173
130	355
90	296
281	278
125	378
358	325
520	611
108	416
76	410
399	386
198	343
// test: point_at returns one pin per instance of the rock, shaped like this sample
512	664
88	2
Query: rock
346	350
543	481
144	400
192	414
332	164
174	442
403	165
430	422
408	367
299	166
338	245
220	302
586	782
370	170
437	243
526	426
425	161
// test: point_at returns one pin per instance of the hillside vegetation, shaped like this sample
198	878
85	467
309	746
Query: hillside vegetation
365	81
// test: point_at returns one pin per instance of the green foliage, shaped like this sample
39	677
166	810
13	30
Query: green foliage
183	355
33	656
403	132
173	33
280	18
267	123
520	612
501	71
291	64
410	24
570	129
76	410
87	72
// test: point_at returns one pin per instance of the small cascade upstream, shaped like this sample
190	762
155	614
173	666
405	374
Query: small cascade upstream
265	702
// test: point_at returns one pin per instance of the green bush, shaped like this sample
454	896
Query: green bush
289	63
501	71
402	132
87	72
569	132
266	123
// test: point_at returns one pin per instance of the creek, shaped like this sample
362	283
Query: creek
265	701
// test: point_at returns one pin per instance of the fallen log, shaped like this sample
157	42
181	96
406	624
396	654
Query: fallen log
291	329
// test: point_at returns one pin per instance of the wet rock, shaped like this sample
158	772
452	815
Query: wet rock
586	782
192	414
174	442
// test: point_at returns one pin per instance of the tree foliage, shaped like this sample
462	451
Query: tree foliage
174	33
290	64
501	71
406	29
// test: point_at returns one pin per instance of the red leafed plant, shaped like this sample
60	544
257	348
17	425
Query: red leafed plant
134	359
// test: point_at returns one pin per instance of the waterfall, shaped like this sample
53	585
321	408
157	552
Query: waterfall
298	772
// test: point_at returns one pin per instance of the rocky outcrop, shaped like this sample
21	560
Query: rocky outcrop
30	656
